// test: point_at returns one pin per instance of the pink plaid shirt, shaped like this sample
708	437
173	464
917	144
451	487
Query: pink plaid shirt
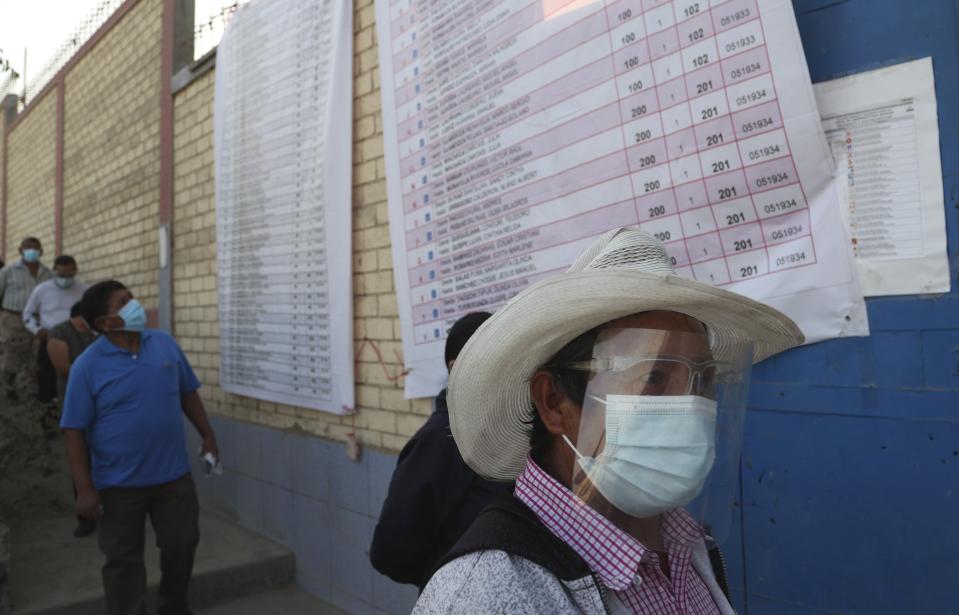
622	563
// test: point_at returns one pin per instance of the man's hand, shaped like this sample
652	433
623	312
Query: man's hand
88	503
209	446
42	335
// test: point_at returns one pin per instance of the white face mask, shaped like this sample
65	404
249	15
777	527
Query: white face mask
658	452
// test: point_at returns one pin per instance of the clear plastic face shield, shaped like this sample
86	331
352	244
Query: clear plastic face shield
661	425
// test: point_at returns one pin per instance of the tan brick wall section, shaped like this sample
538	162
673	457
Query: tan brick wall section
31	177
111	154
384	419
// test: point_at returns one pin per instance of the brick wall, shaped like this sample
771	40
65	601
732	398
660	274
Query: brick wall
30	179
194	233
384	419
111	154
382	408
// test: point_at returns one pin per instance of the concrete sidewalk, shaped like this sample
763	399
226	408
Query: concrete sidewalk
52	572
288	600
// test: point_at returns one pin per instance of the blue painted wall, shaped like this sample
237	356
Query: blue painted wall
850	472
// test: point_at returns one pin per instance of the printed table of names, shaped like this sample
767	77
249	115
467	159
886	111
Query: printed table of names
660	113
276	286
517	132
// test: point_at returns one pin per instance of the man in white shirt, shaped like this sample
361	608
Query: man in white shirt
49	305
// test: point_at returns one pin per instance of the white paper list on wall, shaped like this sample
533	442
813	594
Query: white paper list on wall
282	120
884	131
515	132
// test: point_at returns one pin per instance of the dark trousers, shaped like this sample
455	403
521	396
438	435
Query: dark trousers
46	376
174	513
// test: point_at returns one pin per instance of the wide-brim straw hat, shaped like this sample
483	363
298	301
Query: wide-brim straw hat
624	272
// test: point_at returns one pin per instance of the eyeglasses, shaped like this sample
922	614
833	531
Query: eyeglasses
661	375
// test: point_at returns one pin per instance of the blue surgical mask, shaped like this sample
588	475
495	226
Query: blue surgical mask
658	452
134	316
63	283
31	255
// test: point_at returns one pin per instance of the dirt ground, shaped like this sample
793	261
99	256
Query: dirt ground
34	481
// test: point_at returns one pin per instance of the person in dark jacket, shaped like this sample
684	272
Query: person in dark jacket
433	496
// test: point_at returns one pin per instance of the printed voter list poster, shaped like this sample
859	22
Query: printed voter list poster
517	131
884	131
282	109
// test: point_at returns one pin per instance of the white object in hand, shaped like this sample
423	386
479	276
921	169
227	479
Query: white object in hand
211	465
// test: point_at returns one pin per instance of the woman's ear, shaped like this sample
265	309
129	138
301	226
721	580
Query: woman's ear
551	403
560	415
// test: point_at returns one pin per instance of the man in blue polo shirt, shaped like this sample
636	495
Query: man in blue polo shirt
125	400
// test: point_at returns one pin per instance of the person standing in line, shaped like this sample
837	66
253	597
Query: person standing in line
67	342
49	304
433	496
126	397
614	395
17	281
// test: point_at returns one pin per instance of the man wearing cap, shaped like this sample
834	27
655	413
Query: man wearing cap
433	496
614	396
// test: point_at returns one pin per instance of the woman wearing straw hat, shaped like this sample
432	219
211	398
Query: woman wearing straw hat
614	395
